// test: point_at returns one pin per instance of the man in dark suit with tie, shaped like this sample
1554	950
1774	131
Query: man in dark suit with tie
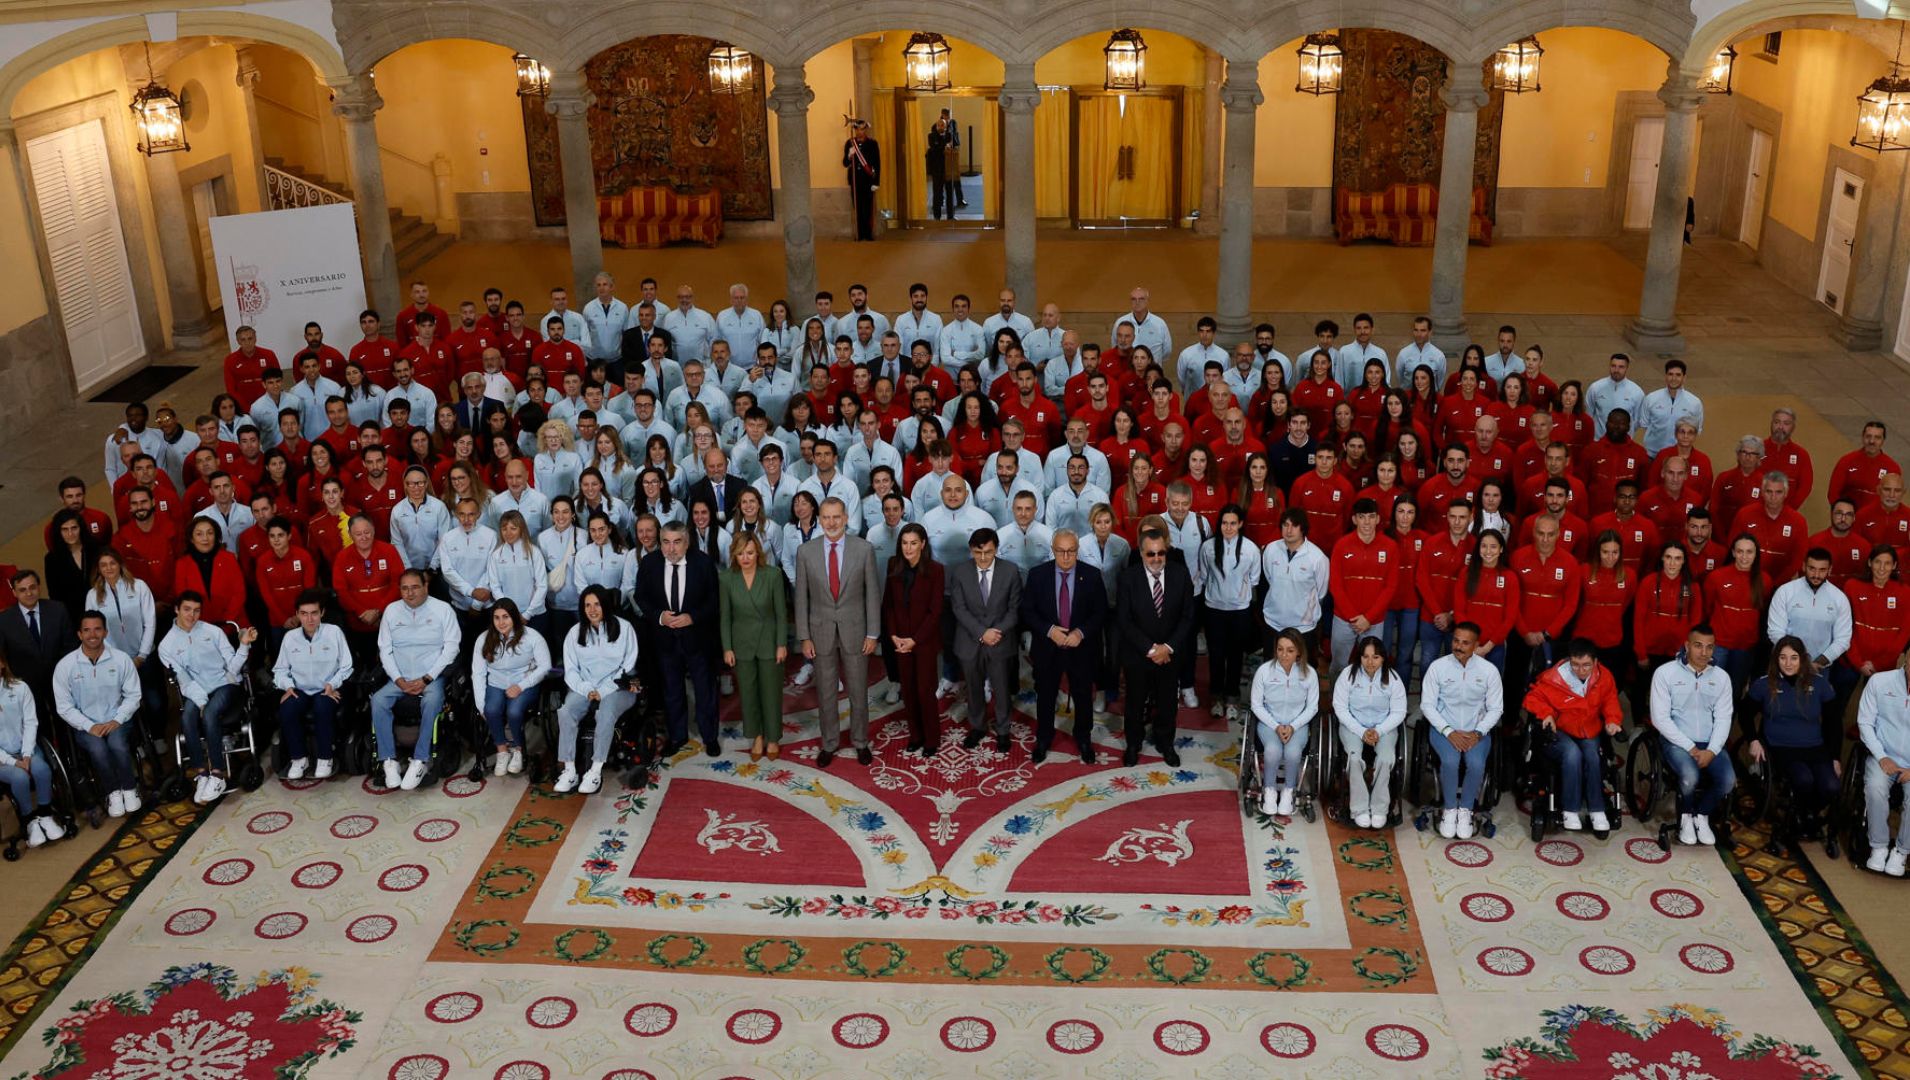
718	488
1154	609
677	598
1063	607
984	598
634	350
35	634
474	409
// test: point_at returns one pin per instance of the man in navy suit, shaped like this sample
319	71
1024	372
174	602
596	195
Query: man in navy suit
677	598
474	409
1155	608
1063	606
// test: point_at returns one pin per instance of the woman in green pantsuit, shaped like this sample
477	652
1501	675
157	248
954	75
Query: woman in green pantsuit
755	641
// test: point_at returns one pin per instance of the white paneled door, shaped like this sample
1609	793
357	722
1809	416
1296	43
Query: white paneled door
74	185
1641	187
1840	237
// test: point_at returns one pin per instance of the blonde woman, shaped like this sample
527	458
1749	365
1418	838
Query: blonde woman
754	638
517	571
557	465
610	461
1285	698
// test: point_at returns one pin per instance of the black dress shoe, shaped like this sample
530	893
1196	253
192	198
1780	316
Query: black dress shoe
1131	756
1170	757
714	749
1040	755
824	758
864	756
1087	753
971	740
670	748
914	747
1001	744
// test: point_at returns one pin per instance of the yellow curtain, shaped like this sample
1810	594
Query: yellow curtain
1051	153
1193	150
915	159
1147	127
990	163
1097	148
882	125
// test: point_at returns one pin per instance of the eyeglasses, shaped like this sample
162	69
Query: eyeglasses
1153	554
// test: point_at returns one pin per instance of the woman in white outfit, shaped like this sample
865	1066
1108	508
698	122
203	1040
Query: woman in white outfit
1230	568
517	571
600	664
507	665
1370	702
604	561
1285	697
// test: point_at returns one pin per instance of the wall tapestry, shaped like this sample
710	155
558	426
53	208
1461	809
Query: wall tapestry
657	124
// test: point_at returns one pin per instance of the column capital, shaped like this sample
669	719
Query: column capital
1680	94
791	95
1463	97
570	97
1242	97
355	97
1019	97
248	75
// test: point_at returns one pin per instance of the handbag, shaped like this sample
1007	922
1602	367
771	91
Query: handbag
560	574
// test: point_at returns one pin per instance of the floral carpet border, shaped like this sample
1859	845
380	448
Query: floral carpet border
1861	1003
491	924
45	956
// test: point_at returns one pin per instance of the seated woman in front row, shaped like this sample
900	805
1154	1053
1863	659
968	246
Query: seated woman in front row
1370	701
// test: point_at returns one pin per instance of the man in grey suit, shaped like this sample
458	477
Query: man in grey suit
984	596
838	618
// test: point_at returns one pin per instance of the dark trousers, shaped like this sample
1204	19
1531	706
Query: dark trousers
1152	700
1814	782
917	671
863	196
942	193
693	665
1077	665
1228	635
315	712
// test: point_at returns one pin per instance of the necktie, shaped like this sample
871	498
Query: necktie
1066	605
985	574
1160	597
676	588
33	624
835	573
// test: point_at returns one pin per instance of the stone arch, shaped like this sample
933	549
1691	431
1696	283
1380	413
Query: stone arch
1200	21
1664	26
978	23
1732	24
622	22
372	39
1879	34
314	47
1428	23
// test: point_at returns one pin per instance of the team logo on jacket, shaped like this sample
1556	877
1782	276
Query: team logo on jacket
1787	530
1382	557
298	566
1336	496
1890	603
1558	573
381	564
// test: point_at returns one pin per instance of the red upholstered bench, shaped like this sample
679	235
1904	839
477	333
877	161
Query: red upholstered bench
1405	214
653	216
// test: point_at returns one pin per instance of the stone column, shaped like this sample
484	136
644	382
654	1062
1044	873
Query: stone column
246	78
1463	100
355	102
1233	298
1861	327
1210	127
569	101
1655	330
1018	100
791	99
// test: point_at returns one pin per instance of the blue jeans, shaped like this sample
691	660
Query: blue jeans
30	792
571	716
1737	664
1433	644
1720	775
431	702
1452	794
1581	777
307	722
204	727
1401	638
1277	757
112	757
501	711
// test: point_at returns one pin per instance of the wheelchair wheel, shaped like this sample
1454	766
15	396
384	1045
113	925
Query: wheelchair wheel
1642	781
252	777
1251	780
173	787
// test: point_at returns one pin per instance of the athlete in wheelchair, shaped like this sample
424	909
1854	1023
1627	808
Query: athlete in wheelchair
508	663
210	674
313	669
1691	713
26	768
1575	704
1883	724
600	661
1285	698
1794	731
417	642
1461	702
1369	702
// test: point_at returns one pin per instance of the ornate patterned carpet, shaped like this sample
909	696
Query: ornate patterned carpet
971	914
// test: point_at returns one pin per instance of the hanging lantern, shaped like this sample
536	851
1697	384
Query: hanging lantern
1127	61
1321	59
925	62
160	116
1717	77
1883	109
533	78
1515	68
732	70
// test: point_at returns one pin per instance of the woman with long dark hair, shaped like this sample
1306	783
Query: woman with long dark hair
600	658
1791	721
69	561
508	664
912	621
23	769
1230	569
1369	701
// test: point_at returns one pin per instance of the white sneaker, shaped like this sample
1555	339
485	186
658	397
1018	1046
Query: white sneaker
1364	821
1879	856
1217	709
807	673
1449	823
1188	700
892	696
1100	702
296	771
503	764
215	788
115	804
51	829
943	688
1687	829
566	780
1702	825
1894	866
1570	820
593	780
1234	714
130	800
324	770
517	760
1286	801
36	833
727	687
1465	824
391	774
1270	801
1601	823
198	789
414	774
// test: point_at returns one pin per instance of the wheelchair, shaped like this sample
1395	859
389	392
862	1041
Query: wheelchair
60	808
1762	790
1537	784
1422	772
636	739
1650	785
1253	763
359	747
1851	813
1334	788
245	733
540	732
